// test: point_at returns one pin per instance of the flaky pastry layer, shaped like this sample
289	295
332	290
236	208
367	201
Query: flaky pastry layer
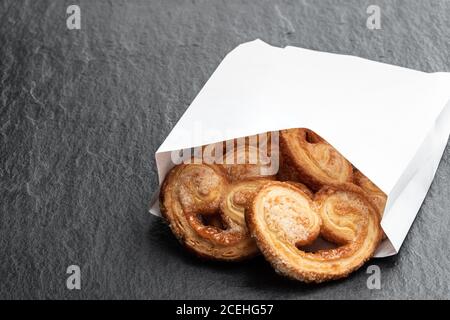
307	158
193	194
346	217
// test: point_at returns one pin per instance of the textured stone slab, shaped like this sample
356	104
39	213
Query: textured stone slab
82	113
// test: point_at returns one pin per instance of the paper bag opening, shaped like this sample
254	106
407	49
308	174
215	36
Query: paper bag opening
389	122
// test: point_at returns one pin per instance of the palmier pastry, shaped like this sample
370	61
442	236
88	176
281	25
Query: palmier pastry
238	196
248	162
282	218
191	195
306	157
375	194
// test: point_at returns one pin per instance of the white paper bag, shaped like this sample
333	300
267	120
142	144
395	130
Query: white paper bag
390	122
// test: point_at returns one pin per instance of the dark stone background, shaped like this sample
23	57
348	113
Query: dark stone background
83	112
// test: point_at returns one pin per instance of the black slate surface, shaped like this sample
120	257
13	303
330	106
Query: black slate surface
83	111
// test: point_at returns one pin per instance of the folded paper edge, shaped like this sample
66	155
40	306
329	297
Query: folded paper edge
258	42
418	177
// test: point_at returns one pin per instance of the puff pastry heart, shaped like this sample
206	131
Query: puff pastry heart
307	158
282	218
194	193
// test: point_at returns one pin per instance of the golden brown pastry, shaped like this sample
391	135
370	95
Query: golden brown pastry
282	218
302	187
238	196
375	194
247	163
191	197
307	158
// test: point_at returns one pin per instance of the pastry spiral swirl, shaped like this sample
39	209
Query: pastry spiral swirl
307	158
238	196
194	193
282	218
247	163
